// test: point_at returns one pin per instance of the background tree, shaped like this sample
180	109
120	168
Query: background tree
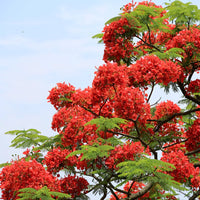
111	132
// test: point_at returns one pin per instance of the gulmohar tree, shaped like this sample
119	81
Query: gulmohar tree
112	132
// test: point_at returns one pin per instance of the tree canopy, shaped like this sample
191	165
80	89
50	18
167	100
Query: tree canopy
112	133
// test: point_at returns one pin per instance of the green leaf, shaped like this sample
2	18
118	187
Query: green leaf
16	132
113	19
98	36
51	142
4	164
27	138
105	124
144	21
149	170
44	194
136	169
114	141
183	13
170	54
92	152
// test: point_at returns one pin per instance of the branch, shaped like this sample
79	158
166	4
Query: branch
116	197
170	145
186	95
117	189
150	45
193	197
144	143
196	165
155	102
195	62
129	190
140	193
151	92
192	72
87	109
122	134
149	33
102	106
104	193
160	123
192	152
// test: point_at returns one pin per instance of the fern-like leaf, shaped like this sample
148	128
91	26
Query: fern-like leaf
26	138
92	152
105	124
44	194
113	19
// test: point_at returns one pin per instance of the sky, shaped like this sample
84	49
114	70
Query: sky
43	43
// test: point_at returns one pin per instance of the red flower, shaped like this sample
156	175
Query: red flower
150	69
117	46
73	185
194	86
22	174
60	95
193	136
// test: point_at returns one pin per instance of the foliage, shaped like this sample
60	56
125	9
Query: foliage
113	132
92	152
26	138
43	194
105	124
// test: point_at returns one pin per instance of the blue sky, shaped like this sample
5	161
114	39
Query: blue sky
43	43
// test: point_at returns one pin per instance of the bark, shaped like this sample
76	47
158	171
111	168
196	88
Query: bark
140	193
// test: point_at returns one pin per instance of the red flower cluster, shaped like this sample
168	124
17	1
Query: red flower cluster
171	129
129	104
22	174
73	185
188	40
149	4
166	109
194	86
150	69
26	153
116	40
163	37
198	112
172	147
193	136
83	97
119	91
128	7
70	123
108	79
60	95
55	160
184	169
128	151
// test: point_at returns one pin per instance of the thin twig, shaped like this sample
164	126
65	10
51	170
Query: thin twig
148	44
195	100
193	197
151	92
160	123
87	109
143	191
192	152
